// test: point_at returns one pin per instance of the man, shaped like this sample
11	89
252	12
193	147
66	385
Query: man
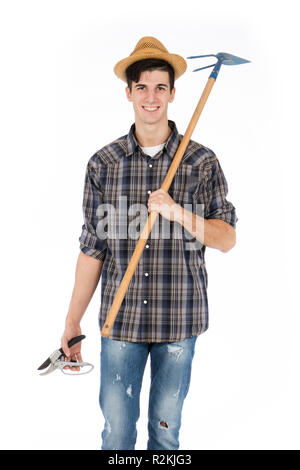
165	307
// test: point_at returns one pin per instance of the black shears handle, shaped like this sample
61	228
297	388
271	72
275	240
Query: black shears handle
73	341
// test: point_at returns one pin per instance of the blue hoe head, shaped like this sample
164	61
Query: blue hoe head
223	58
229	59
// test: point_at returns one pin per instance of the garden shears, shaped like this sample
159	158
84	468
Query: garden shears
57	360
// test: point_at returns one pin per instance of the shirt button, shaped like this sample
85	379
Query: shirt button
149	192
146	274
150	166
145	301
147	246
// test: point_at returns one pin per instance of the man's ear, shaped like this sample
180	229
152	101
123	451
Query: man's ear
128	94
172	96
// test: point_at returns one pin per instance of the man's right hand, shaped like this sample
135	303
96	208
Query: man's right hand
73	353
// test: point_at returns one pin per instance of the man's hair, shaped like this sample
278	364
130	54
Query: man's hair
133	72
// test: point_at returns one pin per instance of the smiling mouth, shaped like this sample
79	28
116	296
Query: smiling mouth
150	109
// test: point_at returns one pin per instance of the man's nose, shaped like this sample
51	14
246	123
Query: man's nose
151	97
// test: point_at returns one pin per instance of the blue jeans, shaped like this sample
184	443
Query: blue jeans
122	368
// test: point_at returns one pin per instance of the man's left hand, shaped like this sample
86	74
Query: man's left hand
161	202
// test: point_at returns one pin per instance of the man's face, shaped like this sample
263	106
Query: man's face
150	97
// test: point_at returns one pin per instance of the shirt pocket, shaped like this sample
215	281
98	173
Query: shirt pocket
184	184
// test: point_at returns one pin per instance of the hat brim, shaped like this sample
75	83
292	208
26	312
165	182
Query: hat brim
176	61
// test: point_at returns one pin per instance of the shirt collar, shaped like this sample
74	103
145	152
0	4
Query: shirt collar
170	146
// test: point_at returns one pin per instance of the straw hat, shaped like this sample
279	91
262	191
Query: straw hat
150	48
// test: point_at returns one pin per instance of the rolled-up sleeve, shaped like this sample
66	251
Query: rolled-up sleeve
90	243
214	192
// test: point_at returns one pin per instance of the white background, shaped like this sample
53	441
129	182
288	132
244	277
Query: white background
60	103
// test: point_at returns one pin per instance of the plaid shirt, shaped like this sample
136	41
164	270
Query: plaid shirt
167	296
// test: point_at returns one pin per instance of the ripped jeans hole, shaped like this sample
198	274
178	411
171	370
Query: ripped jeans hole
163	424
175	350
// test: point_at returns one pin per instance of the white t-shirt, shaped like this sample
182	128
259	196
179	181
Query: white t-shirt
153	150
